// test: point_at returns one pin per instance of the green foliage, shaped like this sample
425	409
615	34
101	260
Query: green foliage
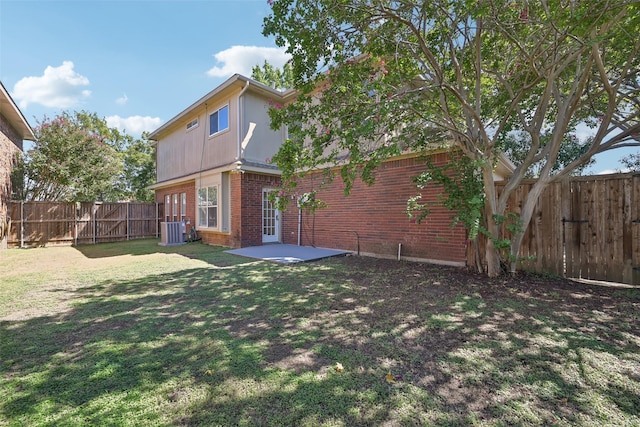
77	157
280	79
462	193
517	145
139	170
379	79
632	162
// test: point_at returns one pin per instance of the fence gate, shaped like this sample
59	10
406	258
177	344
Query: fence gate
601	228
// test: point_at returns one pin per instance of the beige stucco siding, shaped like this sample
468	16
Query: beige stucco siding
264	142
184	152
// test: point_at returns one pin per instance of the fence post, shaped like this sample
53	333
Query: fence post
21	224
128	225
95	222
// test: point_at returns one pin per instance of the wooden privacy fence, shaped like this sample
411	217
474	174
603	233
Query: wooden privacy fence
584	227
62	223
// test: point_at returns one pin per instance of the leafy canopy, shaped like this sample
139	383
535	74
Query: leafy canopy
377	78
280	79
77	157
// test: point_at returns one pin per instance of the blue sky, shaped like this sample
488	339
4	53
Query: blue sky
137	63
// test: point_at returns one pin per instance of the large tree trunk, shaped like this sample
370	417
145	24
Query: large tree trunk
490	209
525	220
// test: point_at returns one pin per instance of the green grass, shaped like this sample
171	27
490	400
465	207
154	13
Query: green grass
138	334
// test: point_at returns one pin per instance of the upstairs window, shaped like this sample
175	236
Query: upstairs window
219	120
192	124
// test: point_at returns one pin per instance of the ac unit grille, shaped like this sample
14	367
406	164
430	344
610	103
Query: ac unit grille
171	234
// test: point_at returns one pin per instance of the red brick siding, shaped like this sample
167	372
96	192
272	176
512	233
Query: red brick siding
377	215
245	207
189	188
10	144
251	200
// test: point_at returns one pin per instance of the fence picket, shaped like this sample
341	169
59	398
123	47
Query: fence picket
62	223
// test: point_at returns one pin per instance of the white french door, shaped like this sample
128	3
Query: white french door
270	218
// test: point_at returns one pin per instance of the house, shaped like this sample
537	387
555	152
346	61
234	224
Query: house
14	129
213	172
213	165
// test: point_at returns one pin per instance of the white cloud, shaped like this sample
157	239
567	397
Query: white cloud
59	87
610	171
134	125
241	59
122	100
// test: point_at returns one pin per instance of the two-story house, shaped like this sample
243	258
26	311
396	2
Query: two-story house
14	129
213	165
213	170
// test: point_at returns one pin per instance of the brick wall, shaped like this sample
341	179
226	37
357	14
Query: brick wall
251	200
187	187
374	217
245	205
10	144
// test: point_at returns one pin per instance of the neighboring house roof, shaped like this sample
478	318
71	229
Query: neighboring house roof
12	113
234	82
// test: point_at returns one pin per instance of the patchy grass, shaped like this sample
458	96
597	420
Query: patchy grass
138	334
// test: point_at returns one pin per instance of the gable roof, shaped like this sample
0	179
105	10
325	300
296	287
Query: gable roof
236	81
10	111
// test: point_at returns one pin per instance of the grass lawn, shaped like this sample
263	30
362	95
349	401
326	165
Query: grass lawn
138	334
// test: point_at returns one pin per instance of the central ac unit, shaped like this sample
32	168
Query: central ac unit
171	234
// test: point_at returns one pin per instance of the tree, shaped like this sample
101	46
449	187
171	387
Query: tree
77	157
376	77
280	79
632	162
139	170
516	145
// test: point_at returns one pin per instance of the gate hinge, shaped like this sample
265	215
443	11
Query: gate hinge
637	221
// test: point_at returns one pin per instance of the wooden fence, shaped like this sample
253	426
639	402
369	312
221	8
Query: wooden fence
60	223
584	227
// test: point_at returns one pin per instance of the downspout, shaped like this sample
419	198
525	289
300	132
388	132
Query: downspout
299	224
239	127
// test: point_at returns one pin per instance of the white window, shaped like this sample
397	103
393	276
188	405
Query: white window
167	208
219	120
175	207
192	124
208	207
183	206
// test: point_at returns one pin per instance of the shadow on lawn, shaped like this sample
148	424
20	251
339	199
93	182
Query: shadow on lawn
196	250
258	343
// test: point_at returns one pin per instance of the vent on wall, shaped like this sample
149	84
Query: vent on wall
171	233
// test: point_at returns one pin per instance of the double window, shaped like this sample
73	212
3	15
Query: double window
208	207
219	120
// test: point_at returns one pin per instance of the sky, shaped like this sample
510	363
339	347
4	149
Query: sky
137	63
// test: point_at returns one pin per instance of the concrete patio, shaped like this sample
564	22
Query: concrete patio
286	254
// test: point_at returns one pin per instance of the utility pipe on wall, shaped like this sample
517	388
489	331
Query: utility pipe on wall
399	250
299	224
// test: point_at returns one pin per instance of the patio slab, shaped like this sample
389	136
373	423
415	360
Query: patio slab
286	254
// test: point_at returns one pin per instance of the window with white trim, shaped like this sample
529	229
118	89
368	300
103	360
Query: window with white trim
208	207
183	206
167	208
175	207
192	124
219	120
